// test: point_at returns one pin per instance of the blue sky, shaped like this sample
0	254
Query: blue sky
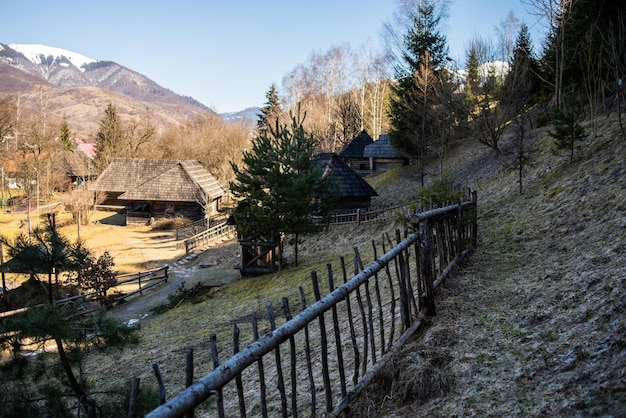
226	53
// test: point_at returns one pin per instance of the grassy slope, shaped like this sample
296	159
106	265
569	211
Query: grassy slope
533	325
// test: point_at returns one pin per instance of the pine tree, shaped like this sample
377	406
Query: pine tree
425	52
65	136
269	112
472	83
110	137
42	386
567	130
277	184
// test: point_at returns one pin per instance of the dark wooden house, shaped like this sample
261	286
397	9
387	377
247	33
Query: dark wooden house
353	153
347	187
153	189
383	156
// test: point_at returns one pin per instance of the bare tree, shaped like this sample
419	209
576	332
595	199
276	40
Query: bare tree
139	133
615	56
506	33
555	13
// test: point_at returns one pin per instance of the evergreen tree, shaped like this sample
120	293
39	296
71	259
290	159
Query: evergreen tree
472	82
30	386
567	130
269	112
65	136
277	184
110	137
425	52
521	82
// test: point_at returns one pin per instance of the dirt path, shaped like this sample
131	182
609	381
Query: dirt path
188	271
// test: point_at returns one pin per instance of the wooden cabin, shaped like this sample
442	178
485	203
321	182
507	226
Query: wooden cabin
347	187
152	189
383	156
77	167
353	153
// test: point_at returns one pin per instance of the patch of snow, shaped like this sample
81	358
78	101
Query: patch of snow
33	53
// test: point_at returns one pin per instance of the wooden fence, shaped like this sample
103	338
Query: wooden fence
318	361
208	236
142	281
359	216
127	286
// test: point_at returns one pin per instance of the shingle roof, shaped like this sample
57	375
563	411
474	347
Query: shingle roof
355	148
382	148
162	180
75	164
345	182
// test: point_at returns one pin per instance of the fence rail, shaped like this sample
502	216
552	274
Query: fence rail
208	236
314	364
142	280
359	216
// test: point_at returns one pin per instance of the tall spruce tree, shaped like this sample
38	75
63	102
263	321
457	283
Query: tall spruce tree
424	55
271	111
110	137
65	136
277	184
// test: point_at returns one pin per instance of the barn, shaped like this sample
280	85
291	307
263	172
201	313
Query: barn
148	189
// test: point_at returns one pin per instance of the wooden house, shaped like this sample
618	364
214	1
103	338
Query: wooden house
353	153
383	156
77	167
347	187
152	189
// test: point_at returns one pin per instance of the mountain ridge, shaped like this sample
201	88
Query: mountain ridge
65	76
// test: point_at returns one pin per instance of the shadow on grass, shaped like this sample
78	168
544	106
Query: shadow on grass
114	219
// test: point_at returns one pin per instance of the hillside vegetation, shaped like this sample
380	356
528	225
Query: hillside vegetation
532	325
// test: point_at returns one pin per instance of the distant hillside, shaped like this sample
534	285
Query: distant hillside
250	115
81	87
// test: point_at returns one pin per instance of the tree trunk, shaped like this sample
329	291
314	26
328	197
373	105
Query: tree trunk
296	251
88	404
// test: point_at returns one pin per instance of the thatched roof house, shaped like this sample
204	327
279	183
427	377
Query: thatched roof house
159	188
346	185
383	155
353	153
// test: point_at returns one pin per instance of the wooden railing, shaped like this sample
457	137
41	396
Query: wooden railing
137	282
315	364
143	281
207	236
359	216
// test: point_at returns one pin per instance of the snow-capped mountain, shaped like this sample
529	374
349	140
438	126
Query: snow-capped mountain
80	88
41	54
64	68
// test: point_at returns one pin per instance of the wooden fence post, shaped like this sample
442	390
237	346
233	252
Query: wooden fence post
426	254
132	401
189	373
157	374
